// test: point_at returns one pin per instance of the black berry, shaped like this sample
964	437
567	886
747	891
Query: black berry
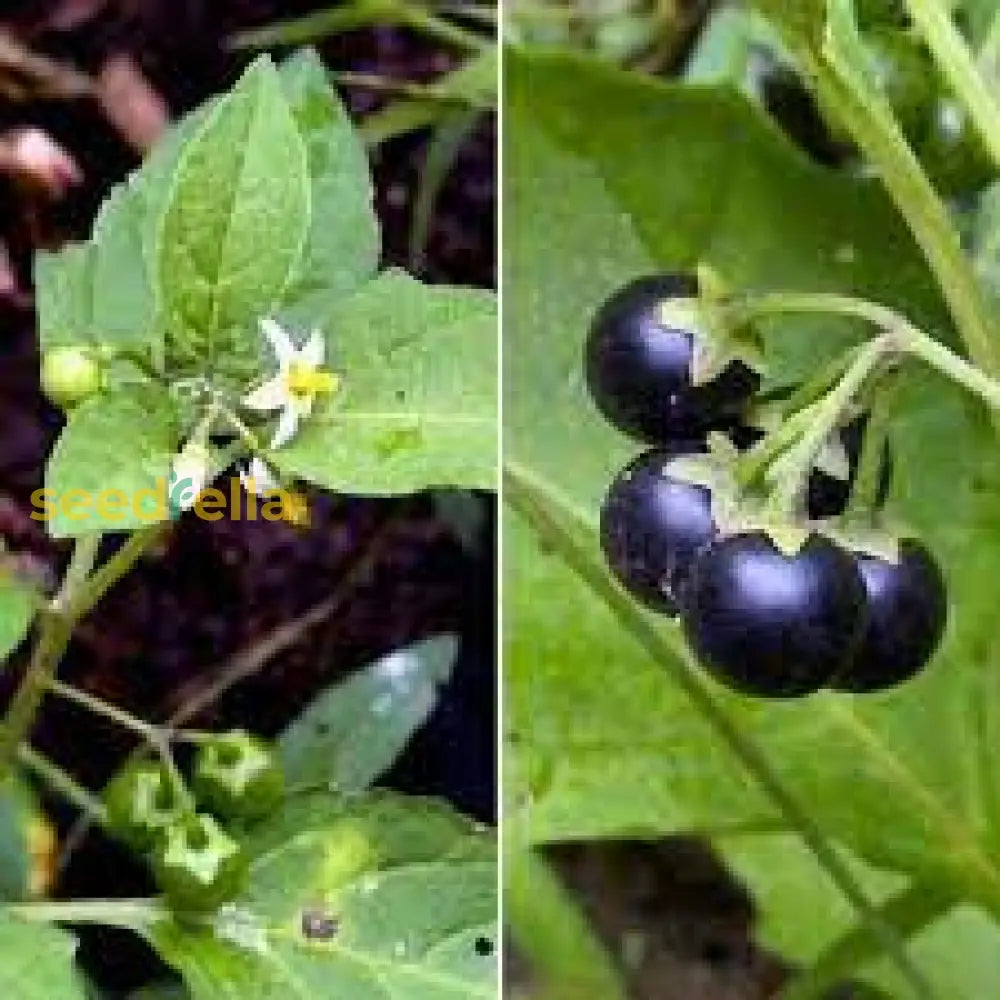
907	611
638	366
652	526
768	623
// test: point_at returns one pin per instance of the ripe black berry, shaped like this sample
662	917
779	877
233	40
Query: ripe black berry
772	624
907	611
638	366
652	526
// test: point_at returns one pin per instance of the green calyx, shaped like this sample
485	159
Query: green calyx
199	866
237	776
142	803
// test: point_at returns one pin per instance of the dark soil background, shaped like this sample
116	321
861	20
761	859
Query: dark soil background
397	570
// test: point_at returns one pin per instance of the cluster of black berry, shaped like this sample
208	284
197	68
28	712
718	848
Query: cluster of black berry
764	618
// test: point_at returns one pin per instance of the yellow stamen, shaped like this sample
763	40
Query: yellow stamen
308	380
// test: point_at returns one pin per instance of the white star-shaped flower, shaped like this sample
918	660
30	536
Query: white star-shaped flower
301	378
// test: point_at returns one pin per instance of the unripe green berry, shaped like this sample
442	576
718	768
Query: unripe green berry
198	866
70	375
238	776
142	803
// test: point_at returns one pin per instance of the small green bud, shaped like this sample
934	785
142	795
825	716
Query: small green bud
70	375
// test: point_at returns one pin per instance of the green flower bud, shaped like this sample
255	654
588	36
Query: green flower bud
70	375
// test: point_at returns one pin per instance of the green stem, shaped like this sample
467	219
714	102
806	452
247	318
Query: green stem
126	913
791	470
157	738
62	783
868	484
934	21
532	500
443	30
102	708
55	628
910	910
924	211
552	933
106	576
404	88
79	593
903	336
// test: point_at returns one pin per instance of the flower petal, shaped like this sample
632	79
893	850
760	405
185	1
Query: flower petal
258	478
288	424
279	340
272	395
313	350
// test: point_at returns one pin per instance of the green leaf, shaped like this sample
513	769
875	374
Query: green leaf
233	228
364	899
116	449
17	609
37	963
98	293
350	735
64	296
642	176
19	812
417	405
802	913
342	248
802	19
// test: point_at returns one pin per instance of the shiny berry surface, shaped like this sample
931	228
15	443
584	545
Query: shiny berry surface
652	525
772	624
907	613
638	366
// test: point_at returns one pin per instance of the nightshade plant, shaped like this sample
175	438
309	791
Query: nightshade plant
228	314
866	825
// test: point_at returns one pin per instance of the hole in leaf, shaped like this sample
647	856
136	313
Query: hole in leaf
319	926
484	947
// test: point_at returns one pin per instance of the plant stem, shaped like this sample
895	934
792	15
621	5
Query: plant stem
921	207
553	934
532	499
55	628
417	91
443	30
62	783
79	593
125	913
903	336
934	21
100	707
910	910
864	501
790	471
106	576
